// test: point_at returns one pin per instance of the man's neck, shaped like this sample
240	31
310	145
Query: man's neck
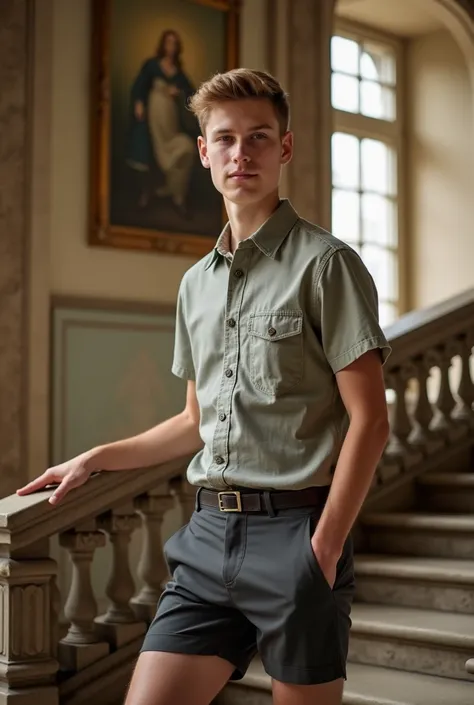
246	220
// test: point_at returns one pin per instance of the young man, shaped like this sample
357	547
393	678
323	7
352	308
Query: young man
277	335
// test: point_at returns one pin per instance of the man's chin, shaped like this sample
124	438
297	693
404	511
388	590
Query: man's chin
243	196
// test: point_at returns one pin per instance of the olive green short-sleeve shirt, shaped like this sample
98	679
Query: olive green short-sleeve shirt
263	332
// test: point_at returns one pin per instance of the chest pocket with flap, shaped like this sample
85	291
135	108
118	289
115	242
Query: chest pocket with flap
276	350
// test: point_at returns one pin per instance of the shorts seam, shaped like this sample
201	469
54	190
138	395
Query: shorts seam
230	583
321	674
171	643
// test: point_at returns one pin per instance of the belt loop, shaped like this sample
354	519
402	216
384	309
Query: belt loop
267	500
197	505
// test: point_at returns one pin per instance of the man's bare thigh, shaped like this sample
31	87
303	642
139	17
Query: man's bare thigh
321	694
162	678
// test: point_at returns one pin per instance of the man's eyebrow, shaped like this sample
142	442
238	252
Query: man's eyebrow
228	130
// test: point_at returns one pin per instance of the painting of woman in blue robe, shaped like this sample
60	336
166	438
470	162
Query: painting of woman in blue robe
149	190
163	132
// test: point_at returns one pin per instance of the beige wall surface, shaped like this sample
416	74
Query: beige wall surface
76	268
440	169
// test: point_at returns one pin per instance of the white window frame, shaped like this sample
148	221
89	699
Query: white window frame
390	132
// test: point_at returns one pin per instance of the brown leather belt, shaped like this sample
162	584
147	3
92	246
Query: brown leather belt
261	501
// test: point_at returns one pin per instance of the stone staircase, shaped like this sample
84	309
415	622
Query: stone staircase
67	642
413	618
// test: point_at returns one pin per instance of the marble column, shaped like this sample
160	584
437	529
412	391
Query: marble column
299	55
15	21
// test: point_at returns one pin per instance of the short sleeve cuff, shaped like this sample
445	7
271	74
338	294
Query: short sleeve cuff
183	372
345	359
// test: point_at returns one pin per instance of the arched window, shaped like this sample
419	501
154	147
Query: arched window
367	157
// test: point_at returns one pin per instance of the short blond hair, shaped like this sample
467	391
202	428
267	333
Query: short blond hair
239	84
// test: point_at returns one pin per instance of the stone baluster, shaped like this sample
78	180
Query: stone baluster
465	391
443	422
119	625
152	568
28	664
422	436
399	448
81	646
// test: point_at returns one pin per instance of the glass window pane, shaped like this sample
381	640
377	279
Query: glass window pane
376	101
344	55
378	62
382	264
379	220
345	160
345	215
378	167
387	314
345	93
368	67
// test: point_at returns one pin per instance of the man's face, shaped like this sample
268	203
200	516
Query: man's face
244	149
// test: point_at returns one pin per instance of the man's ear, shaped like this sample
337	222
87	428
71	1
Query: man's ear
287	147
202	147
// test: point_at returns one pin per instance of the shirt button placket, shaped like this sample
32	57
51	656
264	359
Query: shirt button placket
231	355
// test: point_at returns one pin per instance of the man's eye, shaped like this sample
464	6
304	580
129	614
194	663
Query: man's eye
224	138
259	136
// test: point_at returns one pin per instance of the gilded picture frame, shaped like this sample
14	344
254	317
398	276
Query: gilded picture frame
148	190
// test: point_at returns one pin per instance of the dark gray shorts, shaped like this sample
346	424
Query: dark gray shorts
248	583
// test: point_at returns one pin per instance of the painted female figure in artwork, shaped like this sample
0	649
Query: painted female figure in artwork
163	132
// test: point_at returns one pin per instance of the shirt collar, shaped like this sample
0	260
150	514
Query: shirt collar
268	238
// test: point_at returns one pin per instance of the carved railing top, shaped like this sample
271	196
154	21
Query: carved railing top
25	520
417	331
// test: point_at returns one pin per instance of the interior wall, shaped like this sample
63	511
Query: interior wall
74	268
77	268
62	263
440	169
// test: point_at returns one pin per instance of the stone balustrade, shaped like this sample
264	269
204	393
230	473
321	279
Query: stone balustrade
430	381
90	658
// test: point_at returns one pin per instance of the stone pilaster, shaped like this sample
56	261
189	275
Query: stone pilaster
310	25
15	17
299	55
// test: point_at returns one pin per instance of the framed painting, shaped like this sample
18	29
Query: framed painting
149	190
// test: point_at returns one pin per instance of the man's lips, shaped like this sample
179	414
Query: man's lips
241	175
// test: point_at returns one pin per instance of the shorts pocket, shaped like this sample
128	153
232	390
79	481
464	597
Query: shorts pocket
276	350
311	559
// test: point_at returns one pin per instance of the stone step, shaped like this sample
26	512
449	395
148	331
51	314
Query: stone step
366	685
446	492
432	583
417	534
409	639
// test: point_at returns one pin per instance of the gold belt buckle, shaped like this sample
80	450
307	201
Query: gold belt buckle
237	496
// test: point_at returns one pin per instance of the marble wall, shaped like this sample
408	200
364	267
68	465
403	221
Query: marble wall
14	148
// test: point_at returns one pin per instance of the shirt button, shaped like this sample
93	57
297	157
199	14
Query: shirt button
238	273
222	417
271	331
228	373
219	460
231	323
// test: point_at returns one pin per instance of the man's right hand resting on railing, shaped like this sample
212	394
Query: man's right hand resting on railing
172	439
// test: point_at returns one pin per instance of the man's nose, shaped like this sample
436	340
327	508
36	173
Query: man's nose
240	155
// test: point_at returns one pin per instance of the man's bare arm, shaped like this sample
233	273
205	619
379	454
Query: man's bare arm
172	439
362	389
